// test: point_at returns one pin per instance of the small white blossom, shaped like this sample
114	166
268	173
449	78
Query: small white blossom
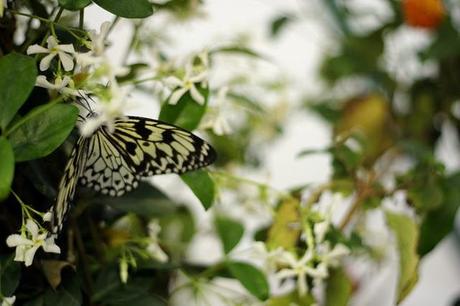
217	121
29	242
64	53
300	268
63	85
153	248
98	39
107	110
8	301
187	84
331	258
47	216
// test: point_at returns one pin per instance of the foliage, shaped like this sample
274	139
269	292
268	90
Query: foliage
138	248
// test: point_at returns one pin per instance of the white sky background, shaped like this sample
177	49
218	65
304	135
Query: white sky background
295	56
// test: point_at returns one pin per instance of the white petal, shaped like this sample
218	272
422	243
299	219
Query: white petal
15	240
51	247
34	49
45	62
196	95
41	81
157	253
285	273
67	48
52	42
302	285
173	81
199	77
30	253
47	216
32	227
8	301
66	60
176	95
20	253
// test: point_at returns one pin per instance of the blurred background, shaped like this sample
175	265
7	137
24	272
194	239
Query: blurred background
319	60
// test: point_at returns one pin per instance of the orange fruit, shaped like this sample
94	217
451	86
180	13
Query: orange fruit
423	13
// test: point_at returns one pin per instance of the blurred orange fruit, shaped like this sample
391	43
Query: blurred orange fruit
423	13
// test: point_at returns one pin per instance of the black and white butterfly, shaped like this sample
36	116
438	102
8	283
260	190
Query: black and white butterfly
113	161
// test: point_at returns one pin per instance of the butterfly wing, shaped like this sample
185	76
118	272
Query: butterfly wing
154	147
107	170
67	185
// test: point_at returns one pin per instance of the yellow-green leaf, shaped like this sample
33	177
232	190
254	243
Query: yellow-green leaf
406	233
286	228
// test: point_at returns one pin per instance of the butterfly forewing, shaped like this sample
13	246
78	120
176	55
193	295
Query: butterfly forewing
154	147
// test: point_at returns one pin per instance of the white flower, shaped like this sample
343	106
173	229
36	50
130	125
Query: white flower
123	270
331	258
28	243
271	259
320	229
300	268
8	301
63	85
217	121
187	84
153	248
54	49
107	110
98	40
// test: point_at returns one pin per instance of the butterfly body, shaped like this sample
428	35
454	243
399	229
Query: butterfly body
113	161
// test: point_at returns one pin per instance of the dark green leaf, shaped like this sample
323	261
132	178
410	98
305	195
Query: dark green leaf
251	278
10	273
6	167
43	130
15	90
67	294
445	45
202	186
186	113
230	232
149	202
127	8
74	5
339	288
407	234
439	222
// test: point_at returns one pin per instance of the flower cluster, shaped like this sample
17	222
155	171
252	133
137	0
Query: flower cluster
32	238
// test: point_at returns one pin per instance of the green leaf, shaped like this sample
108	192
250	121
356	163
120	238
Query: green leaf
230	232
150	202
177	230
74	5
282	233
202	186
6	167
67	294
127	8
406	234
239	50
15	90
43	130
10	273
439	222
339	288
292	298
251	278
186	113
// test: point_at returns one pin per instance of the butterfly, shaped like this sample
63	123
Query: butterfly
113	161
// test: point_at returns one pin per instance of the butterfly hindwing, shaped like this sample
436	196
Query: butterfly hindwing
68	184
